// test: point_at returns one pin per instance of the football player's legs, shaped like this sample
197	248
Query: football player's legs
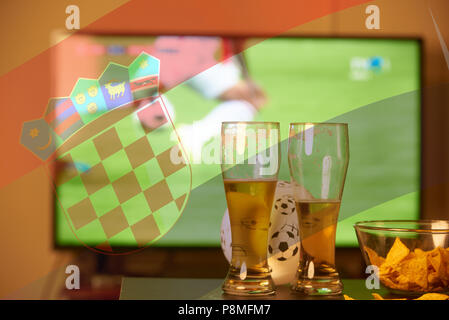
215	81
224	82
248	91
240	101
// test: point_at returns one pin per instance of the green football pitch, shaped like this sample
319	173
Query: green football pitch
373	84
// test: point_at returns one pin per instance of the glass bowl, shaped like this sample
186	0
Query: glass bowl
411	256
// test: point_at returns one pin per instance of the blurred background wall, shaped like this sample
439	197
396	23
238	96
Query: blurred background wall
30	265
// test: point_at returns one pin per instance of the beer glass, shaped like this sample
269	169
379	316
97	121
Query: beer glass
318	156
250	161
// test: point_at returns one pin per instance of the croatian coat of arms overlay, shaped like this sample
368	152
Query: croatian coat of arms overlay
119	177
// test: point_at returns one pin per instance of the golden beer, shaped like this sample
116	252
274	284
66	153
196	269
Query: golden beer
249	204
250	158
317	221
318	158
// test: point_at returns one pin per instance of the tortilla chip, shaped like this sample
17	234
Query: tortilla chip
435	259
403	282
397	253
419	252
445	264
433	279
385	270
388	282
377	296
374	258
433	296
427	296
415	270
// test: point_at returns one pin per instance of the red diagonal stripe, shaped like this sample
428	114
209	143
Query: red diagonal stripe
58	110
192	17
67	123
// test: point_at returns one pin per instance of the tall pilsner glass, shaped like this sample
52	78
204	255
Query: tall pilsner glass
318	156
250	163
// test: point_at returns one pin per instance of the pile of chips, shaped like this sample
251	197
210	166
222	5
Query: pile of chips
417	270
427	296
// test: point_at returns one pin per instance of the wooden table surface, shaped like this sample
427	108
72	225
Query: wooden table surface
210	289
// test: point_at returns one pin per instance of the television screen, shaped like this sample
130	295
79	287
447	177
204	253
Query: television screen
372	84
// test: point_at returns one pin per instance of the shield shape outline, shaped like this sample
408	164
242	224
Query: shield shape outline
62	144
114	116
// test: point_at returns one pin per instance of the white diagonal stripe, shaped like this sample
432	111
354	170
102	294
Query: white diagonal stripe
440	38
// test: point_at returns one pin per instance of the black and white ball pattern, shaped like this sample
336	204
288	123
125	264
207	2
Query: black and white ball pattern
285	205
283	238
284	242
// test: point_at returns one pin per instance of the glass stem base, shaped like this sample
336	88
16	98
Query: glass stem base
259	284
318	286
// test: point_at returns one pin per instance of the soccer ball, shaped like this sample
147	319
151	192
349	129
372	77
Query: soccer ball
283	241
285	205
283	244
283	237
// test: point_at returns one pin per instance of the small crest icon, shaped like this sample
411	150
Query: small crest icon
88	99
39	138
115	86
144	77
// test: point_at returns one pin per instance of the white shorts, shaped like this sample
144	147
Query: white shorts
214	81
